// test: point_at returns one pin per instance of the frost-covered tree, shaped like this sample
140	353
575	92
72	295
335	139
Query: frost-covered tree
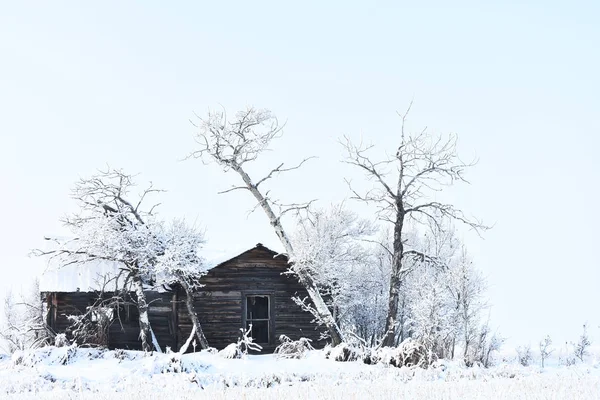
467	288
23	325
234	144
421	165
581	347
441	302
370	305
429	311
180	263
328	243
433	309
545	349
486	344
110	226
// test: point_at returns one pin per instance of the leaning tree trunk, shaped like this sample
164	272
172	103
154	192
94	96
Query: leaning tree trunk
145	327
197	329
304	276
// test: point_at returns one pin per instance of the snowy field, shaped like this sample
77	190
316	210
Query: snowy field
72	373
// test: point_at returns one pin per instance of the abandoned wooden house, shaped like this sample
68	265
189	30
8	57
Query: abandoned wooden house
248	289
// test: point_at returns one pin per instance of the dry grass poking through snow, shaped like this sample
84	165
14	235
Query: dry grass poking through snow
73	373
502	388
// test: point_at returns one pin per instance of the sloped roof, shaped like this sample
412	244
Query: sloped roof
89	276
84	277
259	246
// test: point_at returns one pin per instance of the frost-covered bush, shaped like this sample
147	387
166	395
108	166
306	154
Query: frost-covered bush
244	344
581	347
119	354
51	355
524	355
485	347
61	340
344	352
173	364
409	353
231	351
293	348
23	326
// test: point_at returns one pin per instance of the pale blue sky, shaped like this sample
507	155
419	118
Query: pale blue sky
82	86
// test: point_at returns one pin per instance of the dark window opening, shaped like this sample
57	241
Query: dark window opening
257	318
126	313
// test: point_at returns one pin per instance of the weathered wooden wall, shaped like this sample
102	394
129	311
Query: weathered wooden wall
123	332
219	304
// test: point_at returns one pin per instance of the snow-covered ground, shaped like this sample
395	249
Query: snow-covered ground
75	373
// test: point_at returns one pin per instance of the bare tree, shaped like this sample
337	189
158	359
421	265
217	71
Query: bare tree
485	345
234	144
545	350
421	164
111	227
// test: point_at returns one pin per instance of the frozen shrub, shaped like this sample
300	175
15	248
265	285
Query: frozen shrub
173	364
344	352
409	353
119	354
244	344
61	340
17	357
485	347
524	355
69	355
370	356
293	348
231	351
581	347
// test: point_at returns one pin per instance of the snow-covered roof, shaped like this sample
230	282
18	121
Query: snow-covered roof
85	277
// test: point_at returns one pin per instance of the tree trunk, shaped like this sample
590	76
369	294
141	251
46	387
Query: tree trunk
186	345
466	327
145	327
395	279
467	345
453	347
304	276
455	330
197	329
402	321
